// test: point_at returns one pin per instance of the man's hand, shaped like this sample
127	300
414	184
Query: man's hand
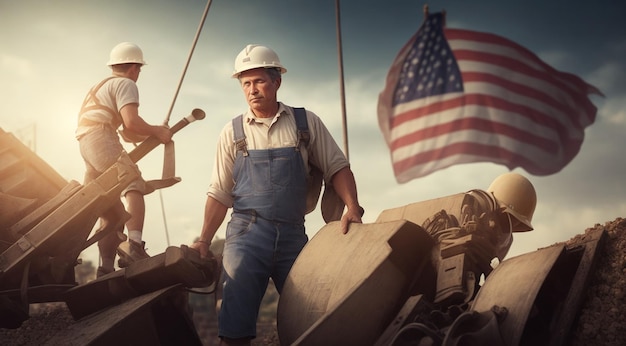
203	248
163	133
352	215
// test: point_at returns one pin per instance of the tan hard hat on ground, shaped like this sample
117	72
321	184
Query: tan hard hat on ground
126	53
517	195
256	56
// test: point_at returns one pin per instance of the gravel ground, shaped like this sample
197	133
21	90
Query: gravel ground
602	320
603	316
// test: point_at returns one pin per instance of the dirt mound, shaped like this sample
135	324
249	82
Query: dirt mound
602	319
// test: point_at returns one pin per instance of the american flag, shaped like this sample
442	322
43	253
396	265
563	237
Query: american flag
458	96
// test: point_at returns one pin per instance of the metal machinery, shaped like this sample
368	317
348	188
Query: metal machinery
422	275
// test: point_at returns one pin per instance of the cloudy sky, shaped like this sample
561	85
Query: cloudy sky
52	52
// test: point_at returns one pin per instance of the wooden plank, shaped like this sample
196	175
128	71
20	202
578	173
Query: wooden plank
12	209
175	266
152	142
9	162
155	318
42	177
26	223
69	220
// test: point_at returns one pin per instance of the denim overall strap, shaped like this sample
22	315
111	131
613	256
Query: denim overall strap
240	136
303	127
270	183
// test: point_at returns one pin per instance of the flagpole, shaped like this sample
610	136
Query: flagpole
426	13
341	81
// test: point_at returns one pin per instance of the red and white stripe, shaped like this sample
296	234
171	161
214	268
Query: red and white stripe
515	110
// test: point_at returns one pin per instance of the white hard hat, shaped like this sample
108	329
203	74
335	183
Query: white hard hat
517	195
126	53
255	56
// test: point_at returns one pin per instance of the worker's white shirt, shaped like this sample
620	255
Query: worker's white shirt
277	132
114	94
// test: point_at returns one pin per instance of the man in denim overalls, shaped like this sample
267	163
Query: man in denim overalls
261	171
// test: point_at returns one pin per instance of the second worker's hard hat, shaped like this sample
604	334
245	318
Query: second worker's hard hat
256	56
126	53
517	196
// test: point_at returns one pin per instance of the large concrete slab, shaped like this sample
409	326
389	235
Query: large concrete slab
345	289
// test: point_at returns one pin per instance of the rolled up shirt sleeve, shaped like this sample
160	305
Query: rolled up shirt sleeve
221	185
324	150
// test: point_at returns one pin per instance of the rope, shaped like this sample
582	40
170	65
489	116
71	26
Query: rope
169	112
193	46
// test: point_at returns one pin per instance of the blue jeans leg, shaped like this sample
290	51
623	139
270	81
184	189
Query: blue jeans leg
290	241
255	250
247	262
